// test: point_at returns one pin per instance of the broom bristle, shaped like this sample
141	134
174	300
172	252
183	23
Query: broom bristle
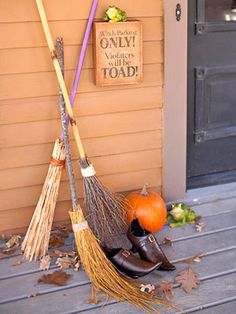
36	240
103	274
105	211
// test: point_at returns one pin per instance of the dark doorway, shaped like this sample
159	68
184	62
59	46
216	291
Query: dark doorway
211	157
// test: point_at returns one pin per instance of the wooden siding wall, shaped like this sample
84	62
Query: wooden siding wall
121	126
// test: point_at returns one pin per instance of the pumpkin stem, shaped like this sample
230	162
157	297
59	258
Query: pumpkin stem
144	191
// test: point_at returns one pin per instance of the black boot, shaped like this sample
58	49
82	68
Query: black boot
147	246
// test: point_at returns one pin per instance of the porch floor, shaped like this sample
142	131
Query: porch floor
20	293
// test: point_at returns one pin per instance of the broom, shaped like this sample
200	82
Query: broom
105	211
36	240
99	269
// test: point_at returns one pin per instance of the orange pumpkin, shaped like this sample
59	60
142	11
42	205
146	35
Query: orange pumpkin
149	208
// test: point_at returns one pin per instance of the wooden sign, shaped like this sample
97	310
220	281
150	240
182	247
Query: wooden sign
118	55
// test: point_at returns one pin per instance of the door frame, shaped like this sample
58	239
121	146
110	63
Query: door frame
175	101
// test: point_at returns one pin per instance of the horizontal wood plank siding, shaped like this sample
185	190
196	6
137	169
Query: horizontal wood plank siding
121	126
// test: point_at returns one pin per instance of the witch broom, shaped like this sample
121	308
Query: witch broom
36	240
105	211
99	269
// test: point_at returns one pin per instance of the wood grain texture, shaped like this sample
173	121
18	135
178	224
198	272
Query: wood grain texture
121	127
30	34
26	11
65	300
45	84
39	132
86	104
104	165
127	181
37	154
38	61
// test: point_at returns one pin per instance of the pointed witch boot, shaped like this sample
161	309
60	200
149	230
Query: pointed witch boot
145	243
130	264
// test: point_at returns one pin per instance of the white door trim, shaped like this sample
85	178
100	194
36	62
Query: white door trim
175	101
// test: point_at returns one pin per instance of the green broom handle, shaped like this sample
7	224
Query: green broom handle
60	77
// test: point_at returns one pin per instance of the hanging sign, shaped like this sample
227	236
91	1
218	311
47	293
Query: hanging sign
118	55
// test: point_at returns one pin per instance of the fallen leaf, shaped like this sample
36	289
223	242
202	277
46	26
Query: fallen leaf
10	250
94	298
199	226
17	263
58	253
56	240
33	295
147	288
58	278
69	228
66	262
198	219
2	255
15	240
195	258
165	290
45	262
167	241
63	232
188	280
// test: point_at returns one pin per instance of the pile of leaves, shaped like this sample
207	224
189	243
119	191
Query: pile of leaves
186	279
63	259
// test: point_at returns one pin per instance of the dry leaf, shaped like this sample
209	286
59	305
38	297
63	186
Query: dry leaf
10	250
2	255
94	298
68	262
58	278
188	280
167	241
15	240
199	226
58	253
33	295
56	240
147	288
17	263
196	258
198	219
165	290
45	262
69	228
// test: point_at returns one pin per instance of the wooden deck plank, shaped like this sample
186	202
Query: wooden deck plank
176	234
217	272
226	308
209	266
22	291
216	207
74	300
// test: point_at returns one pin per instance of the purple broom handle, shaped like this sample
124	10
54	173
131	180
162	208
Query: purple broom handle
81	58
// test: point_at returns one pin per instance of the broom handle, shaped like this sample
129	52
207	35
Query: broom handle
60	77
74	197
81	58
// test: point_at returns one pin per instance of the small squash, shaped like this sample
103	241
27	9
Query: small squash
149	208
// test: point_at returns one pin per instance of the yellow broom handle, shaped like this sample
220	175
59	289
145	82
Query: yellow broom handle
59	76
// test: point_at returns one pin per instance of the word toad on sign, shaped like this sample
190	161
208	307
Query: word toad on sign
118	53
